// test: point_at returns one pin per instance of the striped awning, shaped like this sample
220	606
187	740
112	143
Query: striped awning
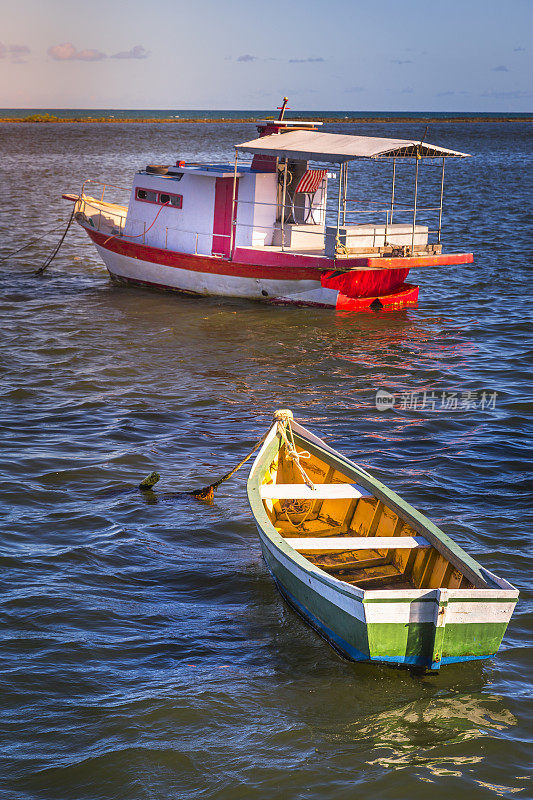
311	180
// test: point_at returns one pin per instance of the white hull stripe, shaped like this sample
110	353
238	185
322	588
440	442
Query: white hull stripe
351	605
206	283
400	612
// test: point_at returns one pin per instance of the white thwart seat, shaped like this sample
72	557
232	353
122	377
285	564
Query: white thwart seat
321	491
358	543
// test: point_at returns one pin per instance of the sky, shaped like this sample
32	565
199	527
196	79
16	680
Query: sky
381	55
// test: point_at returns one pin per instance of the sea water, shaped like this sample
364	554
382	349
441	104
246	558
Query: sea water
145	652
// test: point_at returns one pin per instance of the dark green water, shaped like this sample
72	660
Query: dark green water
145	653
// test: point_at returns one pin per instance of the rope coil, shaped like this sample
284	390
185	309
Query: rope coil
299	508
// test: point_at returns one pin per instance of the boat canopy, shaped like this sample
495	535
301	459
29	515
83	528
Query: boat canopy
340	148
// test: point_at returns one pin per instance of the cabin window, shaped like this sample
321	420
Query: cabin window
160	198
175	200
147	195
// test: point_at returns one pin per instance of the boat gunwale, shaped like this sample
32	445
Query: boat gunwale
438	539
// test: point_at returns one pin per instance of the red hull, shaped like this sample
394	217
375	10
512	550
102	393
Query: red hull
284	266
360	288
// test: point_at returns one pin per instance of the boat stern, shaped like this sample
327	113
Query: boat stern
431	628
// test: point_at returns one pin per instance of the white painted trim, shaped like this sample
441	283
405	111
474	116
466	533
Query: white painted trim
400	613
461	613
351	602
304	544
320	491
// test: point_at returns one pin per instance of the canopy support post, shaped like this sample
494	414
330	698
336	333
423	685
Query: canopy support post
233	214
337	240
393	189
414	206
283	194
441	196
345	191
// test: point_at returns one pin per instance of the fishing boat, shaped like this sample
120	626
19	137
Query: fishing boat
279	228
369	572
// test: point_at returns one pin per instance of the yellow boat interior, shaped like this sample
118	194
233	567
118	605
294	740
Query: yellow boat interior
344	530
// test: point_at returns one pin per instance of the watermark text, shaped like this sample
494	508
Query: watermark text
420	400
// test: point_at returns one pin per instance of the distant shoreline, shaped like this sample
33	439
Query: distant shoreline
34	120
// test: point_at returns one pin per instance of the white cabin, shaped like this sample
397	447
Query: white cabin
193	206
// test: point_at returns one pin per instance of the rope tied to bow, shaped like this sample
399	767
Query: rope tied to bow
283	418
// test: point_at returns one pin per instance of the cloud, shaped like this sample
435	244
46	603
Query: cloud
136	52
519	49
67	52
407	90
500	68
401	61
247	58
18	53
516	94
354	89
451	93
15	51
310	60
90	55
19	49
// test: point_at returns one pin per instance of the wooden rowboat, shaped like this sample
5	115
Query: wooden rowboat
374	576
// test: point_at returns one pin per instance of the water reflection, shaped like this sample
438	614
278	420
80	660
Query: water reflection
421	732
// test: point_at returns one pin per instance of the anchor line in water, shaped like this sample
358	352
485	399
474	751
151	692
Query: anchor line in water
206	492
29	244
58	246
283	419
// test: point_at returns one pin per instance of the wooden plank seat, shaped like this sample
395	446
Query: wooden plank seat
320	491
380	577
309	544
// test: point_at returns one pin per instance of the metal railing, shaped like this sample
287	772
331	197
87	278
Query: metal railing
388	222
104	187
118	219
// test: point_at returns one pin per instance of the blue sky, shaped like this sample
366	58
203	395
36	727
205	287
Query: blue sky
389	55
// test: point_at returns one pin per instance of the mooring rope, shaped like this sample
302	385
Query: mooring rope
58	247
284	417
296	507
208	492
29	244
340	248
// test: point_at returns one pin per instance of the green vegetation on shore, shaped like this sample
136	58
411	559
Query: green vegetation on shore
37	118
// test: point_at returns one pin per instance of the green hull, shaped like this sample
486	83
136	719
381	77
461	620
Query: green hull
389	642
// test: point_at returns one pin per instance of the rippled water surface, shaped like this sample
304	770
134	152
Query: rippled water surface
144	650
